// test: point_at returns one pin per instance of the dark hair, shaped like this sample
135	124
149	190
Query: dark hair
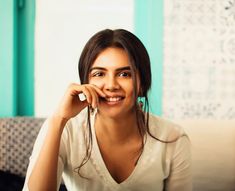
139	62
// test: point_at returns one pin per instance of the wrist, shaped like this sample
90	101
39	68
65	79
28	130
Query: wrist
59	120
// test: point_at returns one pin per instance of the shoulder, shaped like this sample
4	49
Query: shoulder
179	148
164	129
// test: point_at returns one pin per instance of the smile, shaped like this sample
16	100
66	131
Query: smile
113	99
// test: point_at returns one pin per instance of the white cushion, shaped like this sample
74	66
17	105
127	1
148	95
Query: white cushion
213	154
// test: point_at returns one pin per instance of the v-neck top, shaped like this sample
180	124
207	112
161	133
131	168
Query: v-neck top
162	166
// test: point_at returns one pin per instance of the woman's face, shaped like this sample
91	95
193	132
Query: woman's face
112	74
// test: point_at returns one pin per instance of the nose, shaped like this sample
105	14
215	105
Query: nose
112	84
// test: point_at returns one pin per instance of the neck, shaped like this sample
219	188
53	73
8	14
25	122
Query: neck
116	130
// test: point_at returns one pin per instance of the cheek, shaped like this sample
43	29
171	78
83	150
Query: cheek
98	83
129	88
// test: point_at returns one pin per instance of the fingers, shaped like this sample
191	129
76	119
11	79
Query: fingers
99	91
87	93
91	95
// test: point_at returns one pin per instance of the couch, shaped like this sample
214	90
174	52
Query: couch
213	152
17	136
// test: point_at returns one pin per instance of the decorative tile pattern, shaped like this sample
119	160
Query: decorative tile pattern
17	136
199	59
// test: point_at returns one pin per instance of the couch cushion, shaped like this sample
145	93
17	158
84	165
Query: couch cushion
213	152
17	136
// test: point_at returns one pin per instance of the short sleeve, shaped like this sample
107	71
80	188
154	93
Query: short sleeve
35	153
180	177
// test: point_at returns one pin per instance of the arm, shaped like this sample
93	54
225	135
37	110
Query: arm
44	172
180	177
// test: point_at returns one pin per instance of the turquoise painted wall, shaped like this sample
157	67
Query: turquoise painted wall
17	57
8	57
26	25
149	28
17	53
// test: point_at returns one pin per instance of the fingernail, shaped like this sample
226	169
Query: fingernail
82	96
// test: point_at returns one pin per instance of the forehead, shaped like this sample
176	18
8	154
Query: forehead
112	58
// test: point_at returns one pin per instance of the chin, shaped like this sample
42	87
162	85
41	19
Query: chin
115	113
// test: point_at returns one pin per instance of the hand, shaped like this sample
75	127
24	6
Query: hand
71	105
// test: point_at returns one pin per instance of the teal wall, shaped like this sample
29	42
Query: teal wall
26	20
17	19
8	57
17	57
149	28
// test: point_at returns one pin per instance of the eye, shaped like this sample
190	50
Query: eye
97	74
125	74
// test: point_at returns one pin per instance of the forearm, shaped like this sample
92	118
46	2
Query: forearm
44	173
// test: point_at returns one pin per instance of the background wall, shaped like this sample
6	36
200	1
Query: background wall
39	57
199	59
191	45
17	57
61	33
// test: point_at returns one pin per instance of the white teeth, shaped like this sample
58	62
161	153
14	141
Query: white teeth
113	99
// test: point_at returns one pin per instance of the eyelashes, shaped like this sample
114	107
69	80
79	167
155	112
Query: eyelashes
124	74
97	74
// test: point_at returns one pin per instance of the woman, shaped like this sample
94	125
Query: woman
114	144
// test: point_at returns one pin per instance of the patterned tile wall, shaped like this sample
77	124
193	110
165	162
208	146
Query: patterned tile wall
199	59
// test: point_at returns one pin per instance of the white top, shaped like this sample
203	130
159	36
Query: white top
161	165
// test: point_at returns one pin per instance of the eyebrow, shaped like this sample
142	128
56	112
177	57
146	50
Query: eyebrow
118	69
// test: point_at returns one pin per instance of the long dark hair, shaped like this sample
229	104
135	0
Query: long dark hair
139	63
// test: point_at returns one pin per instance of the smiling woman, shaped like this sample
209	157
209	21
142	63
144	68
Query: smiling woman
112	74
114	144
